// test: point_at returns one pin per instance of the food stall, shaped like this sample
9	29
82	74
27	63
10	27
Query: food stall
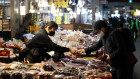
73	19
68	14
68	67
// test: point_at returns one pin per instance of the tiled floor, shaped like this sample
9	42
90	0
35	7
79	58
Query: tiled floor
137	54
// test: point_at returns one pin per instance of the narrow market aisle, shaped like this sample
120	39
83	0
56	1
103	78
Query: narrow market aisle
137	66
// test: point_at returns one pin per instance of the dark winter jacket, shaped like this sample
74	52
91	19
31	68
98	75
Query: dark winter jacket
38	46
114	46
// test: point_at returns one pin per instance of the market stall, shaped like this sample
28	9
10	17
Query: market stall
68	67
65	69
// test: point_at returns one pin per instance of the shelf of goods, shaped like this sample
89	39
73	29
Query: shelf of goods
64	69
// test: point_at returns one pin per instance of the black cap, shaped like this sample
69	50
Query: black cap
98	25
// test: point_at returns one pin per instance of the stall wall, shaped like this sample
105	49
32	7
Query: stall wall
76	26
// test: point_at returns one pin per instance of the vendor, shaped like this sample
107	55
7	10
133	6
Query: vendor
114	46
41	43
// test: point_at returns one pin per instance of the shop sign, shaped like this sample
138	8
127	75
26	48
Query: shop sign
60	3
65	3
130	1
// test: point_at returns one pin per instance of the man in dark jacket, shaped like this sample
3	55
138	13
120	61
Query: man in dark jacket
37	47
113	43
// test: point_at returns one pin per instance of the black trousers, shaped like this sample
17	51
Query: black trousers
135	33
120	73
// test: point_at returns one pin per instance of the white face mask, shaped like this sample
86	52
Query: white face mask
101	34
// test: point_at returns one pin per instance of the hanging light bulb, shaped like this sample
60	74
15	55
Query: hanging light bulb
22	8
70	2
74	3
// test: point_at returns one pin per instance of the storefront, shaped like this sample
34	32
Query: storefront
68	14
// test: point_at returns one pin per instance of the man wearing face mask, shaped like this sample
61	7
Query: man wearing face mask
114	46
37	47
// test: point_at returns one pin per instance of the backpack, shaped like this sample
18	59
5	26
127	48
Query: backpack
128	39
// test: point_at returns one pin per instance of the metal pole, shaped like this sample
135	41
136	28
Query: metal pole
27	5
95	8
12	19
